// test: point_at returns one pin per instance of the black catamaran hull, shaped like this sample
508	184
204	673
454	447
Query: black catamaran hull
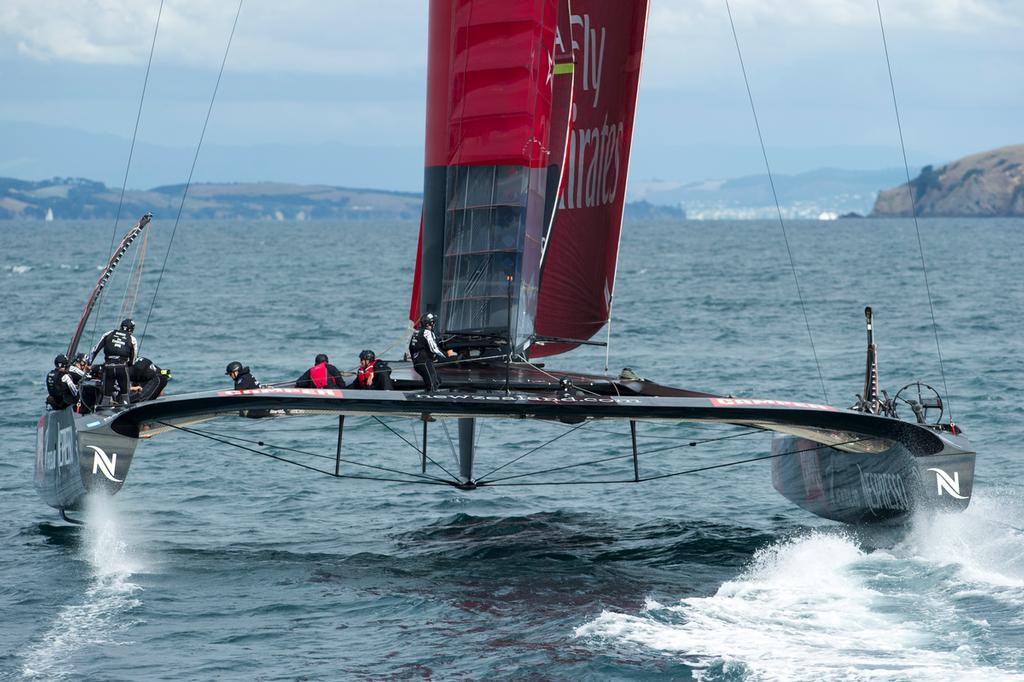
883	487
77	455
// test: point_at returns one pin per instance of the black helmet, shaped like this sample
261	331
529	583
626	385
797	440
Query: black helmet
80	357
367	355
427	319
60	361
127	325
233	367
320	358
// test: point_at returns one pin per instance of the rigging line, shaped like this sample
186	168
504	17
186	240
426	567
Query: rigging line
745	461
188	182
403	338
608	338
128	301
542	445
694	443
306	466
413	446
327	457
778	208
676	473
131	152
615	457
675	438
558	378
451	443
561	468
913	208
131	275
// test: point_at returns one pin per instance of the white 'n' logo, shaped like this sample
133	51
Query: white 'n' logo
106	466
950	485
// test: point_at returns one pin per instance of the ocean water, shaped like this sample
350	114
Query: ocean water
216	563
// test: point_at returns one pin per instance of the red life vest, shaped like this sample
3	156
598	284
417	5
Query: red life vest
318	373
364	375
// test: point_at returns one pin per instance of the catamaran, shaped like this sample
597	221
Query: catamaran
530	110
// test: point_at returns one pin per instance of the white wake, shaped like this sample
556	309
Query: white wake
819	607
102	613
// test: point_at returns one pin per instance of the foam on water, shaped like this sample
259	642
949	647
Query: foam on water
108	597
984	544
813	607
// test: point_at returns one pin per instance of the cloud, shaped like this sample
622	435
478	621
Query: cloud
924	15
304	36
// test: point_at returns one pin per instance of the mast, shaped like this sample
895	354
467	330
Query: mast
871	371
101	283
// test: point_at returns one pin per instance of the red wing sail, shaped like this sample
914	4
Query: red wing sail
489	91
527	100
579	259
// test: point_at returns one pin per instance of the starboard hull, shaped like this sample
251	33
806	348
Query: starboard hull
864	488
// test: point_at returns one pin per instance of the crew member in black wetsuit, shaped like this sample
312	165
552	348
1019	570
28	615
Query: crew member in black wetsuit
147	380
242	377
120	351
90	389
424	350
60	386
321	375
79	369
373	373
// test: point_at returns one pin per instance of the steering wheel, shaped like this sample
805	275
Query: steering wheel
923	400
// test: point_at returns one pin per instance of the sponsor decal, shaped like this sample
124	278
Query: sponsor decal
526	398
327	392
951	486
811	470
92	424
106	465
760	402
65	446
596	145
884	491
63	453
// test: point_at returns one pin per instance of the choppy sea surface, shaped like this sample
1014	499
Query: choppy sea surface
217	563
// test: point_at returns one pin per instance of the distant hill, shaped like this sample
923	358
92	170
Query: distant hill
802	195
78	198
988	184
644	210
74	198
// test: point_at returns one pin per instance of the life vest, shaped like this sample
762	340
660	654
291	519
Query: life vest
117	345
416	342
53	385
318	373
364	375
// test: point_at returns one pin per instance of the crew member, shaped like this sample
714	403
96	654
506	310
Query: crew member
242	377
321	375
372	373
424	350
120	351
148	380
90	388
60	386
79	369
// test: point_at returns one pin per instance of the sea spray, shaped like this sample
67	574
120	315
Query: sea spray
108	597
984	544
812	607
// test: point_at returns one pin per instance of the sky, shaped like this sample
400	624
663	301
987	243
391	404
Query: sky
333	92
